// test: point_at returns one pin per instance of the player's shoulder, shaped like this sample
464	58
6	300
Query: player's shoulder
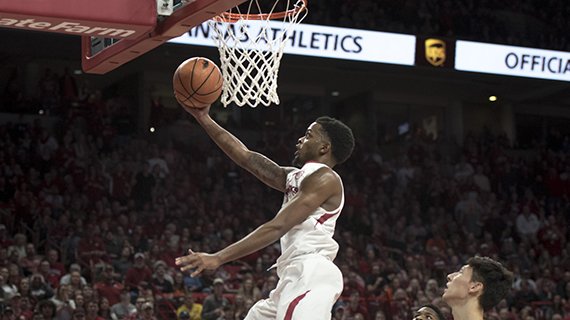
319	167
322	173
308	169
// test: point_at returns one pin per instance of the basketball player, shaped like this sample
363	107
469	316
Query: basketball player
309	282
428	312
477	287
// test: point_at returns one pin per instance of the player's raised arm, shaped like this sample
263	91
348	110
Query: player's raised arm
259	165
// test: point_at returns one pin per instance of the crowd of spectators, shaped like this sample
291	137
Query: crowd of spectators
93	217
531	23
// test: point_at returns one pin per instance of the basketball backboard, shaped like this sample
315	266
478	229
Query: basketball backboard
113	32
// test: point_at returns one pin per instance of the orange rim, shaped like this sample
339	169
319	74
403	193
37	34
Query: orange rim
234	17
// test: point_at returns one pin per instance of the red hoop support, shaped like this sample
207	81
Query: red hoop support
234	17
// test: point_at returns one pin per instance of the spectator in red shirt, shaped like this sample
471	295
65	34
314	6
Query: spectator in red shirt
88	294
104	308
56	267
31	261
355	306
138	276
93	311
107	287
121	184
91	247
436	243
48	309
551	237
23	305
553	183
24	287
49	276
78	314
171	250
353	283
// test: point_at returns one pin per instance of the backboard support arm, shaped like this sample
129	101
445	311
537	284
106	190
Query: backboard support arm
175	25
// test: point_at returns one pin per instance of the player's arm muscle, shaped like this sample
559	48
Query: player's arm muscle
267	171
259	165
313	192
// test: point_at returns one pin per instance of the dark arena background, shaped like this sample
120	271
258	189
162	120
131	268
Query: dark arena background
461	113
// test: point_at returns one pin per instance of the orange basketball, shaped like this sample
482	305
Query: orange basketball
197	82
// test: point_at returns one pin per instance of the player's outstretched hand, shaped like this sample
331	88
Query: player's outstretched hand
198	261
198	112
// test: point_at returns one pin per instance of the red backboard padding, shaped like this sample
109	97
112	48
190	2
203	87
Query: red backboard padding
134	22
122	19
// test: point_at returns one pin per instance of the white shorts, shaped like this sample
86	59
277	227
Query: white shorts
307	289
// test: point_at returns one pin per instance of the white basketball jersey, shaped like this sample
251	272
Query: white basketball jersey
315	234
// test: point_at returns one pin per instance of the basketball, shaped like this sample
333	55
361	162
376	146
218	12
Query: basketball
197	82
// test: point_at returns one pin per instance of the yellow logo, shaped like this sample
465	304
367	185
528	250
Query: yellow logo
435	52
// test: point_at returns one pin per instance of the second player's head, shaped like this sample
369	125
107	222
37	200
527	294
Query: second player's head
482	278
428	312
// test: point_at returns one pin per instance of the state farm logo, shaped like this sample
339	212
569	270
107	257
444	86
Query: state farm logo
66	27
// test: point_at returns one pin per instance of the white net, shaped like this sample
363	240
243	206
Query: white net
250	54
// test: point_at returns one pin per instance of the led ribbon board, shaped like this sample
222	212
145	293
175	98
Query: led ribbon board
512	61
326	42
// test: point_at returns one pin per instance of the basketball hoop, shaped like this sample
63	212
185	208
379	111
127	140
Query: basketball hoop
251	47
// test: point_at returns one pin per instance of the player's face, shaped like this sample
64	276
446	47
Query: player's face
426	313
459	285
308	145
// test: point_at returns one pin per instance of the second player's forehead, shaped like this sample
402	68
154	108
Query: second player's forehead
313	127
465	268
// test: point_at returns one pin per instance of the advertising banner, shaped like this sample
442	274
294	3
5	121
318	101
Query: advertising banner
512	61
323	41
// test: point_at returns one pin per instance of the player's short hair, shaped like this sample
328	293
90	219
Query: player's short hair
496	279
435	308
341	137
